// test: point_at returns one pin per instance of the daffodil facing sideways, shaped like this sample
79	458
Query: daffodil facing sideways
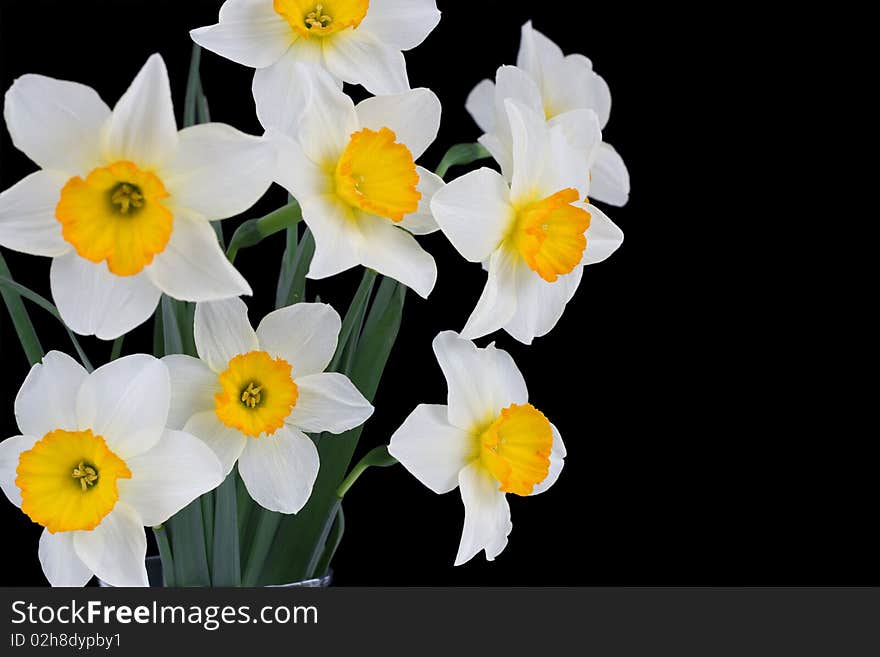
533	235
95	463
488	441
554	85
251	394
353	171
123	201
356	41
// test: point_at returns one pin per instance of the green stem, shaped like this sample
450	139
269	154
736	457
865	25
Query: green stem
117	347
461	154
161	534
333	541
192	87
377	457
252	232
27	335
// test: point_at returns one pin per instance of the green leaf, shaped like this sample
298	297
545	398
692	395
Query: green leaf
27	336
193	87
116	352
162	540
226	562
207	502
333	541
264	537
170	327
461	154
254	231
285	276
188	546
353	322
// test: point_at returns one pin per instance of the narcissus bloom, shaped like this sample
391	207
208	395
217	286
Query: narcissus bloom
353	171
95	463
552	84
123	201
251	394
357	41
534	235
487	441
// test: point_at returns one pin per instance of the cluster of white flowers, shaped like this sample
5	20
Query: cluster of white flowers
123	202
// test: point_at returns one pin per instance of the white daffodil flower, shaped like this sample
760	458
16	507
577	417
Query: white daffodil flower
534	235
251	394
352	169
95	463
357	41
123	201
488	441
553	85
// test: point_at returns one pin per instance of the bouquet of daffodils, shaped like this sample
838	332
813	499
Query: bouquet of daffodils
234	442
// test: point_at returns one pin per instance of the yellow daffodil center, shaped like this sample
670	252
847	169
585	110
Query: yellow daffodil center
116	214
378	175
549	234
321	19
68	480
515	448
258	394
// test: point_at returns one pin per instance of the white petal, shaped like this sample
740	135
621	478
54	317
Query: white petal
177	470
142	128
280	470
422	222
512	83
474	213
222	331
480	105
497	303
338	240
218	171
574	85
47	398
358	57
10	451
193	267
603	237
431	449
226	443
532	154
193	386
92	301
61	565
414	116
126	401
581	130
330	117
250	32
403	24
539	304
281	94
395	253
328	402
56	123
502	153
116	549
610	177
557	461
481	382
538	55
303	334
486	515
27	215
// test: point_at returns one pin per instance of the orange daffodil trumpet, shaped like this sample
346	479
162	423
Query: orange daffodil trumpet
95	463
123	201
556	86
251	394
488	441
353	170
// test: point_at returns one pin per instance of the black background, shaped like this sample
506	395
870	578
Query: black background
699	450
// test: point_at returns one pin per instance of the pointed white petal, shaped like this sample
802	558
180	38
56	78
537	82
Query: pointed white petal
574	85
539	304
422	222
56	123
403	24
610	177
222	331
116	549
557	461
193	386
10	450
250	32
218	171
393	252
603	237
27	215
92	301
538	55
328	402
497	303
303	334
581	130
177	470
431	449
532	154
226	443
47	398
414	116
280	470
481	105
474	213
330	117
481	382
298	174
281	94
358	57
61	565
338	240
193	267
126	401
502	153
512	83
486	515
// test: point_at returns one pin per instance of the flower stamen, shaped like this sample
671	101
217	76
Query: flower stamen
252	396
86	474
317	19
127	197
